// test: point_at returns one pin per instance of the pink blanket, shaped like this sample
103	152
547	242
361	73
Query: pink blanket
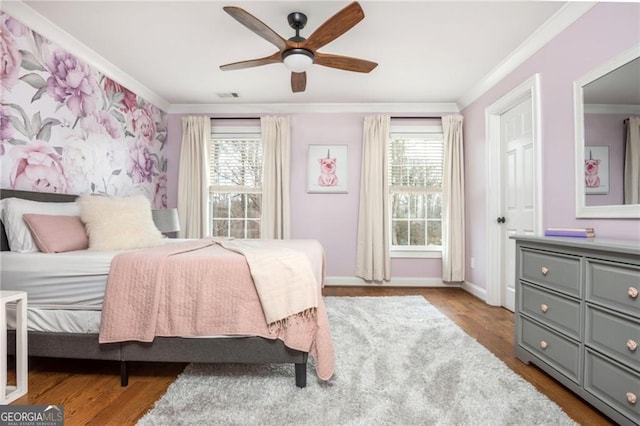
198	288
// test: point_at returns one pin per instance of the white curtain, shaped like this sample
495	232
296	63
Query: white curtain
193	178
276	151
453	200
632	162
373	262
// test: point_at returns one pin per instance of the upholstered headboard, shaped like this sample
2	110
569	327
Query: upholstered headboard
28	195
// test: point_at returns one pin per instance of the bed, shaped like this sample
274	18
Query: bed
47	338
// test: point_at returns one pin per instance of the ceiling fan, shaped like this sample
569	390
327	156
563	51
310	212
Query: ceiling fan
299	53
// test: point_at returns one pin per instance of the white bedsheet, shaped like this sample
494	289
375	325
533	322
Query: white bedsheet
58	320
71	280
65	290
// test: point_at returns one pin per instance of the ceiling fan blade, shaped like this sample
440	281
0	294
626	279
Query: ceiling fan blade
346	63
272	59
298	81
256	25
335	26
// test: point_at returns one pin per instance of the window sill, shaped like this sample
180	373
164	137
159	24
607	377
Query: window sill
416	254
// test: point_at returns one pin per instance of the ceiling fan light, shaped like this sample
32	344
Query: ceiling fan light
297	60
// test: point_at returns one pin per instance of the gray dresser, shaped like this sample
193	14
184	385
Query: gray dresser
578	318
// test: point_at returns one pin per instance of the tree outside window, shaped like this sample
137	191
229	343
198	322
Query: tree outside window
415	190
235	187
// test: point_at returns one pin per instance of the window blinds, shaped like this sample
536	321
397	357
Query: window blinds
235	165
415	162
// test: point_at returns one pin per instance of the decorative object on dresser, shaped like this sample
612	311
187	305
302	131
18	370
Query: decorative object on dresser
570	232
578	317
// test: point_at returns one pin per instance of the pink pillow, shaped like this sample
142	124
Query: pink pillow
55	234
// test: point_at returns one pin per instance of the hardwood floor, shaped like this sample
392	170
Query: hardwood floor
91	393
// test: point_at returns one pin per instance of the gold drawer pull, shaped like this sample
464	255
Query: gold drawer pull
632	398
633	292
632	345
544	308
543	345
544	270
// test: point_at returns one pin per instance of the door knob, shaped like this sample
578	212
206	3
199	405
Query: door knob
501	219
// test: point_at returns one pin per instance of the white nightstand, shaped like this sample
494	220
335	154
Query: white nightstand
11	393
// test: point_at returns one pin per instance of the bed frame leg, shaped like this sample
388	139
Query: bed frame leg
301	375
124	374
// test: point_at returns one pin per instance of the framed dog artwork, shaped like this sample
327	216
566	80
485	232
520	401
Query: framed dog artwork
327	169
596	169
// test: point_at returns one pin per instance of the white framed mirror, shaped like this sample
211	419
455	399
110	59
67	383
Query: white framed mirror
604	98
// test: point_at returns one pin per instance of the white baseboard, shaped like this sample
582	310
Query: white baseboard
395	282
468	286
479	292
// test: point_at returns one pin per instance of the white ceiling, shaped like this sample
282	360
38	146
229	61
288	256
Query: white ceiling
428	52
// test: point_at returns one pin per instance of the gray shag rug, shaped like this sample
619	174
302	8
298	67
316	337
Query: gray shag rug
399	361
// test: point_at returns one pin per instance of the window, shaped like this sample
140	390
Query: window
415	190
235	183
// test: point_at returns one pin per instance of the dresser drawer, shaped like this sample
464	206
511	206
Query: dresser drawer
557	271
614	335
551	309
614	285
614	384
561	353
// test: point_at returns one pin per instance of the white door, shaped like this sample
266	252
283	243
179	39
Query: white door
518	190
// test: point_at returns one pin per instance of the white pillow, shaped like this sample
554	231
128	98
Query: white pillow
118	223
18	233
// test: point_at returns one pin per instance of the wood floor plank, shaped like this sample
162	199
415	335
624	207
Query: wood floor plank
91	391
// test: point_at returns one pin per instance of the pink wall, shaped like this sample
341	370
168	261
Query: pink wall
330	218
174	138
602	33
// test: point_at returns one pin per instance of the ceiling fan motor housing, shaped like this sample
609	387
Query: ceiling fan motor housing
297	20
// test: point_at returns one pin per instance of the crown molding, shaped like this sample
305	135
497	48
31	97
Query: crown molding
380	108
34	20
560	20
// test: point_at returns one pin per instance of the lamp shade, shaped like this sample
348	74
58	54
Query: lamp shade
166	220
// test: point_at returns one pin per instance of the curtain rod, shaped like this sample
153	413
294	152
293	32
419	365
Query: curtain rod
427	117
235	118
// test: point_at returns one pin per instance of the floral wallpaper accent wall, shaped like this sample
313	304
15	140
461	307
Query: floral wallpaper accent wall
67	128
